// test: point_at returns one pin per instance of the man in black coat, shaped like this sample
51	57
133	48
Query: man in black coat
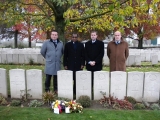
94	52
74	57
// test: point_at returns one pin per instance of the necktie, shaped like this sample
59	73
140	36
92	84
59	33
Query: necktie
55	44
117	42
74	45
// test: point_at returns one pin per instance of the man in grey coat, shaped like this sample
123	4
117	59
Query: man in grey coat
52	51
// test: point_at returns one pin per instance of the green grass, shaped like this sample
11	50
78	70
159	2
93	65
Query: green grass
17	113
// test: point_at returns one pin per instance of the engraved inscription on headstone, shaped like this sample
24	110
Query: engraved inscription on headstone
151	86
118	84
83	83
34	83
101	84
135	85
65	84
17	82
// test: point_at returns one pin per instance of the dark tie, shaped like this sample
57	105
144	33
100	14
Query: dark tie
55	44
74	45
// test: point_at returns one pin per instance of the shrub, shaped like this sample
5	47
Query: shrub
48	97
3	100
130	99
31	61
155	106
35	103
139	106
15	103
84	100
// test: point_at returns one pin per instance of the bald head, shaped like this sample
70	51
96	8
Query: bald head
117	36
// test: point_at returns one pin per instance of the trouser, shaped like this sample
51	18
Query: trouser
92	79
48	81
92	85
74	82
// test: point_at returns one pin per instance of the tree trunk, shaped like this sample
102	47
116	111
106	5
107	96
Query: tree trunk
29	40
60	27
48	34
140	36
29	34
15	38
140	43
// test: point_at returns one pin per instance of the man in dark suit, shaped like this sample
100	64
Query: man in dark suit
74	57
94	52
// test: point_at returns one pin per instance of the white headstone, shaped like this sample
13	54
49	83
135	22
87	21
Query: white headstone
40	59
131	60
65	83
3	81
138	60
105	58
9	58
21	59
154	59
34	83
17	83
0	58
101	83
158	56
4	58
26	58
135	85
34	57
15	58
148	56
83	83
118	84
151	86
143	56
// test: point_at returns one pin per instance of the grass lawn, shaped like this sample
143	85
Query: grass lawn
17	113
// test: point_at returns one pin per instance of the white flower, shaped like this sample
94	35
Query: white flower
63	104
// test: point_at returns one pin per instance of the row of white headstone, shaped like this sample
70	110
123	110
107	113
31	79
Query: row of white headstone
21	58
137	56
38	59
140	85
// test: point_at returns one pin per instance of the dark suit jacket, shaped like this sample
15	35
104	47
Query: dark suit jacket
94	52
74	57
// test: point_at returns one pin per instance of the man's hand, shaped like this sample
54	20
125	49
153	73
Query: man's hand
92	63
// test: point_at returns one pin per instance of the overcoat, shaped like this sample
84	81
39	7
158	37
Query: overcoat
117	54
74	57
94	52
52	56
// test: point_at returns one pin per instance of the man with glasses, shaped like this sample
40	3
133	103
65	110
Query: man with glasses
74	57
52	51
